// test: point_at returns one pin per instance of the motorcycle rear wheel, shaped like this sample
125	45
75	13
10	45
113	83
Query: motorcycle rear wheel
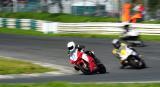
138	64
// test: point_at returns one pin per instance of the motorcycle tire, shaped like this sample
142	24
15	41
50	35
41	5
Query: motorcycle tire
137	64
142	64
101	68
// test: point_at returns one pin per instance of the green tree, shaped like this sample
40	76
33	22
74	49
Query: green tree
153	6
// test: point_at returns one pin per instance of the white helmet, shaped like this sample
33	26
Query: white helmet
116	43
71	46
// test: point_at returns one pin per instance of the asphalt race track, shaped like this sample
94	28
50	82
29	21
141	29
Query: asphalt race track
52	50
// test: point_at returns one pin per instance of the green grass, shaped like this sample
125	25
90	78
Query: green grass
152	22
65	84
58	17
12	66
36	33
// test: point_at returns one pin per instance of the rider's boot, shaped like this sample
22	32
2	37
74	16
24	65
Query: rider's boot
123	64
97	60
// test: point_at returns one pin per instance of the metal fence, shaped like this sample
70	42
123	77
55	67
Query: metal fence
79	7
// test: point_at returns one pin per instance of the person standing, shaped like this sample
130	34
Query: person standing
126	12
139	12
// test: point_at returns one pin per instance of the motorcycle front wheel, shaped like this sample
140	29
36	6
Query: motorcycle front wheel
101	68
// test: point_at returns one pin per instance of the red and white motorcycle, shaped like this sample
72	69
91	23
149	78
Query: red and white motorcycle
88	63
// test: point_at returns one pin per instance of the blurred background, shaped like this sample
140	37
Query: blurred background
106	8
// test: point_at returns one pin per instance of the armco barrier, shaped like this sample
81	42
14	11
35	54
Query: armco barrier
26	24
103	28
87	27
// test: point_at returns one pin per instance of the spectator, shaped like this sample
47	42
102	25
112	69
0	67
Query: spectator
138	14
137	17
126	12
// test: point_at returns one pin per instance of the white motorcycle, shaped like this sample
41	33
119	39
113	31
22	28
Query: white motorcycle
132	38
129	57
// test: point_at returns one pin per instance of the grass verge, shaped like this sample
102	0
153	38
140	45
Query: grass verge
12	66
58	17
36	33
61	17
65	84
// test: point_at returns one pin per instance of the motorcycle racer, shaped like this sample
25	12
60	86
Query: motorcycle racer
129	34
122	51
76	52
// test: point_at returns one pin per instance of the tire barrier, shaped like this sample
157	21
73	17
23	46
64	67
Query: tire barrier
27	24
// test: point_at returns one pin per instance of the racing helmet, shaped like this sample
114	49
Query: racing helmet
116	43
71	46
126	26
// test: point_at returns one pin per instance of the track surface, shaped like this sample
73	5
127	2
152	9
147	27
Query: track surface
52	50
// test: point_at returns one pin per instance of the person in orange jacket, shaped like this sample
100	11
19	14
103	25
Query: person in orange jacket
139	13
137	17
126	11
